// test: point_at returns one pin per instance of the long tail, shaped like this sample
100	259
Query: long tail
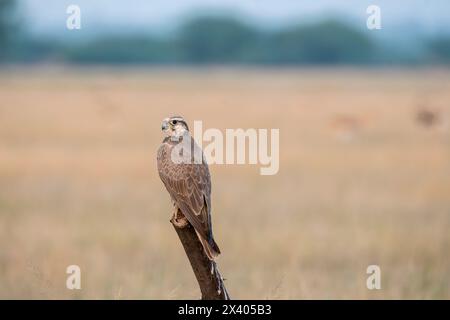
211	248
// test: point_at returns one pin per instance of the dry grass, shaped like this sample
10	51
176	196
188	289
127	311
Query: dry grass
360	183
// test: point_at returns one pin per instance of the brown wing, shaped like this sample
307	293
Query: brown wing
190	187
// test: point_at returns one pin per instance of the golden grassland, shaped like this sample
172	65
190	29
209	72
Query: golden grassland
361	182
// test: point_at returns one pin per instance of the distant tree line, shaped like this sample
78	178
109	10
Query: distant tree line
215	40
7	28
222	40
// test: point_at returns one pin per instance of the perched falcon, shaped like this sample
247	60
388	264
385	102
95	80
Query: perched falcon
185	174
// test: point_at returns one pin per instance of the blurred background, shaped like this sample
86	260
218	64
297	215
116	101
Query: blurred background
251	32
364	120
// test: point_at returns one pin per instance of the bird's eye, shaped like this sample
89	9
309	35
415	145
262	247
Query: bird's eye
174	122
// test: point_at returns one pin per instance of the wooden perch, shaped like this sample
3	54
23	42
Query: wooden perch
206	271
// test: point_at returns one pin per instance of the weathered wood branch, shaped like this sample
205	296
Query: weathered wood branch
208	276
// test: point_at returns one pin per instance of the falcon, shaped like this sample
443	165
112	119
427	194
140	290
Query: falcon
188	182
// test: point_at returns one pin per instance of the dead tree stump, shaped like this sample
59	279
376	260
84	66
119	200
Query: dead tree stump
208	276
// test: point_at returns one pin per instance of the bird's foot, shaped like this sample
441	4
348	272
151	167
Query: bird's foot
178	218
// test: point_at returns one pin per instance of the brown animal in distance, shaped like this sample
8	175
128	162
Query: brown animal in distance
427	116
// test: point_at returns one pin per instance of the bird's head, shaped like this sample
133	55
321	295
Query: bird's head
174	127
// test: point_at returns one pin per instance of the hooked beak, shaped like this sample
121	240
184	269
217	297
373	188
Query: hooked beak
165	125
